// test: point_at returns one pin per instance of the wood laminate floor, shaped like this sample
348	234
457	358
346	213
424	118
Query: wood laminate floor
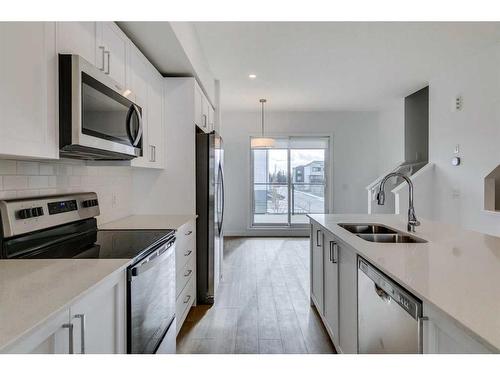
262	304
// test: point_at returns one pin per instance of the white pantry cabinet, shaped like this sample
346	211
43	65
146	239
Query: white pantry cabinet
317	281
96	323
28	76
331	285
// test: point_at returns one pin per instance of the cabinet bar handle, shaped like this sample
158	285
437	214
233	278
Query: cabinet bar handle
82	331
331	250
317	237
188	272
186	300
69	326
109	59
334	251
187	253
103	64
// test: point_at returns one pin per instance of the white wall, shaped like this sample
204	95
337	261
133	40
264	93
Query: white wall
355	159
458	191
391	136
113	185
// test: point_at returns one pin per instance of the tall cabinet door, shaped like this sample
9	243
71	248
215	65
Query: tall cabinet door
317	239
331	285
155	119
78	38
28	76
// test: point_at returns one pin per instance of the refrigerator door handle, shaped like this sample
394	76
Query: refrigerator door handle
221	173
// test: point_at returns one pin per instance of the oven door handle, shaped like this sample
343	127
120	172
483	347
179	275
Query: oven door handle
152	260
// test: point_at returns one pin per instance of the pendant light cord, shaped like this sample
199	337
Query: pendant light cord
262	102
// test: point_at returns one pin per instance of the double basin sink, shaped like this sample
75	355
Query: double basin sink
380	233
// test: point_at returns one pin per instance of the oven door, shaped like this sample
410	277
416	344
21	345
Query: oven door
96	114
151	300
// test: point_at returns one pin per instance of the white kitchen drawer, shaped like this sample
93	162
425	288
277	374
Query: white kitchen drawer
183	254
184	235
185	275
184	302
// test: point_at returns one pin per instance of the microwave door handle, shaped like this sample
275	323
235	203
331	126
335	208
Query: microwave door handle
134	139
139	131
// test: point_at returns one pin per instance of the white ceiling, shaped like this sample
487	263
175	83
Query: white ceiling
333	65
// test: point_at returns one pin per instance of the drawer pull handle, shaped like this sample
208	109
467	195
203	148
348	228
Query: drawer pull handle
187	253
186	300
187	273
189	233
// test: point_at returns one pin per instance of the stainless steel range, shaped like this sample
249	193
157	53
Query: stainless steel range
64	226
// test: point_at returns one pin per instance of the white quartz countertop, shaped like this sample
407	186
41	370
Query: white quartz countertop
32	291
457	270
149	222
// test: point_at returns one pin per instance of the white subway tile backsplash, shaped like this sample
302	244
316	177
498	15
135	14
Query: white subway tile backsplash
27	168
9	194
38	182
15	182
47	169
19	179
27	193
8	167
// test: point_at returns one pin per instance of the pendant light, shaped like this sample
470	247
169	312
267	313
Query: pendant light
262	142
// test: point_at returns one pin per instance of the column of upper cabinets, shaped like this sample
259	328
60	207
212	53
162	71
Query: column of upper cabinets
204	113
28	72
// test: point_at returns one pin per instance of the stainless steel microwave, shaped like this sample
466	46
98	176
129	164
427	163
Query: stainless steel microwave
98	119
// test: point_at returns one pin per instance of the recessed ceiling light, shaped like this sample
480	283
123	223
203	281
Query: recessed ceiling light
252	76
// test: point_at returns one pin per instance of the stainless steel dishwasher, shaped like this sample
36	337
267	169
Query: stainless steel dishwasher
389	317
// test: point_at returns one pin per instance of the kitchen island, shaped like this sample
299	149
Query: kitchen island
456	274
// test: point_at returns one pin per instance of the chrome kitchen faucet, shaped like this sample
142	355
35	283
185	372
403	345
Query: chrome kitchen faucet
412	218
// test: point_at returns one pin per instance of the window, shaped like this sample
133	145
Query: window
288	181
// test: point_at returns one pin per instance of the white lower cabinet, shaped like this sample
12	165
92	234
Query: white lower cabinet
99	319
94	324
331	286
317	281
443	336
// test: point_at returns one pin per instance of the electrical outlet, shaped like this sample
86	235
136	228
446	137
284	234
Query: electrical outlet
458	103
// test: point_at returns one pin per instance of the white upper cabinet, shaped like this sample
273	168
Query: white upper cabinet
156	128
112	45
204	115
28	76
78	38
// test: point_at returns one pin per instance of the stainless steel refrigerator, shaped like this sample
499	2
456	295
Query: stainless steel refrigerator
210	211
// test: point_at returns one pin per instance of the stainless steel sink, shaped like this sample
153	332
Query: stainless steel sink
367	228
391	238
380	233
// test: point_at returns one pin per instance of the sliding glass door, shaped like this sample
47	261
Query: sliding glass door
289	181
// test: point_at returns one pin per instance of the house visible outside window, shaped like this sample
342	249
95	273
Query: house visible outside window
288	181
